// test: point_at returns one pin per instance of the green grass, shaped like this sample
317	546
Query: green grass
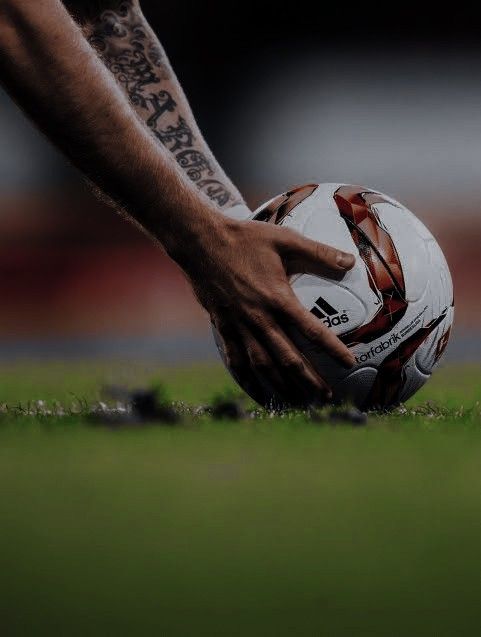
260	527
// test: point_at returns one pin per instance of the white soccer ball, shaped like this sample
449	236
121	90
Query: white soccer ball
394	309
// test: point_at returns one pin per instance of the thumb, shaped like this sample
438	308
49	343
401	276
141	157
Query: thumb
303	255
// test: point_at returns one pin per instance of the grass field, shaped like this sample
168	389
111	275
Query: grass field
267	526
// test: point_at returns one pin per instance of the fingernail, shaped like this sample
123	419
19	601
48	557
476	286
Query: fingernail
345	260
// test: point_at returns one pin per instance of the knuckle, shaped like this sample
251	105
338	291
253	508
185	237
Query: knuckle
289	236
292	363
311	334
259	361
280	297
257	318
289	240
323	252
314	333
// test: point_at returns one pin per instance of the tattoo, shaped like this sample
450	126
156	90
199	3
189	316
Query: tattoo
133	71
161	103
110	24
215	191
120	40
194	163
176	137
156	55
137	61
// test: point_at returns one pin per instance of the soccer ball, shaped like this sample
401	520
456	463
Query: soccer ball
394	309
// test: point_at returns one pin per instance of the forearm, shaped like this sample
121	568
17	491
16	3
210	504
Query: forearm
53	73
131	51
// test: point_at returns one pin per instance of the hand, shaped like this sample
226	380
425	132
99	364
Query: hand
244	286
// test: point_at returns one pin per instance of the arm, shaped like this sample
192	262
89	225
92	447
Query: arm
133	54
237	269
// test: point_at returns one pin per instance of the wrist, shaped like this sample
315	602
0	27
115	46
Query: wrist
195	242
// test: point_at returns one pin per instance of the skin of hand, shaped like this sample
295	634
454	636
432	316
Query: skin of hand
239	270
244	285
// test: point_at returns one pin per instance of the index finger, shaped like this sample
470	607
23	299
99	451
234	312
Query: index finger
306	256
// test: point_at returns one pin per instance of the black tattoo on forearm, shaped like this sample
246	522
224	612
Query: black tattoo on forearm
160	103
156	55
215	190
176	137
133	71
194	163
137	61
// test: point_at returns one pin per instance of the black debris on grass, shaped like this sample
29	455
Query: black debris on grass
228	405
348	416
152	407
138	408
146	404
228	410
114	418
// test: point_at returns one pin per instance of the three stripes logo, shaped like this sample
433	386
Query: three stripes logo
328	315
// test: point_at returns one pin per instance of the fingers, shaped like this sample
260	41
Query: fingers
315	331
305	386
267	365
251	366
307	256
301	383
237	362
303	255
263	366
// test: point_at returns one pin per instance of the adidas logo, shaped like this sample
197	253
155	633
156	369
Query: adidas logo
328	315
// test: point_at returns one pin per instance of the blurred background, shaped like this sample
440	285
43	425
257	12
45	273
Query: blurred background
283	96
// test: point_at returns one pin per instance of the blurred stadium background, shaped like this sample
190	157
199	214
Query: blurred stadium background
282	98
